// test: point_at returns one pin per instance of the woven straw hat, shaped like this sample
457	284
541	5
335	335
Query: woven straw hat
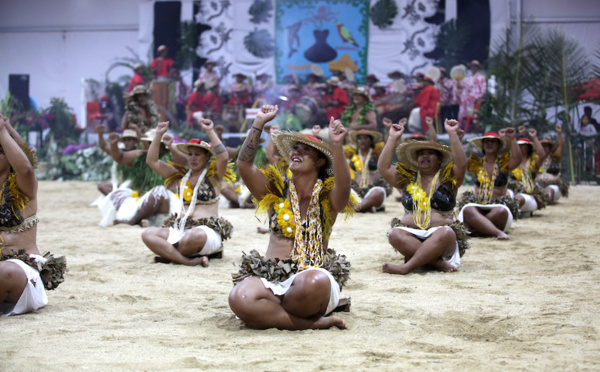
504	141
553	144
285	141
185	147
408	152
361	91
137	90
376	137
128	133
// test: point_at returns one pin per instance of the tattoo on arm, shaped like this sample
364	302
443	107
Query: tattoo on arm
250	146
219	149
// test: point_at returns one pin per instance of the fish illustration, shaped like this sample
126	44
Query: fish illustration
293	37
345	34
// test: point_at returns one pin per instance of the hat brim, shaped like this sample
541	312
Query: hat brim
553	144
408	153
285	141
504	141
376	137
185	148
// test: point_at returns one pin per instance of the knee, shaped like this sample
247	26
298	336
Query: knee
11	273
312	283
397	237
446	233
469	212
241	296
501	213
149	234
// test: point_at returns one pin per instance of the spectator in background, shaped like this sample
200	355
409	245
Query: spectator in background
471	91
448	98
181	91
195	101
427	100
137	78
162	64
213	102
209	74
336	100
371	81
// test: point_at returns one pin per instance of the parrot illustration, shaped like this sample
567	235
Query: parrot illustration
345	34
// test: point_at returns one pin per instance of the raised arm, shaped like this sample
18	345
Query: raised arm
255	180
539	149
178	156
560	151
384	164
152	159
515	151
17	159
458	153
101	142
340	193
271	150
124	158
222	156
431	129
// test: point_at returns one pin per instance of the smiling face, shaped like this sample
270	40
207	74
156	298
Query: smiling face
491	145
197	158
428	159
130	143
305	158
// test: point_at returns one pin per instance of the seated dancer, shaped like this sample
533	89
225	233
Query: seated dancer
490	211
22	288
141	198
549	173
428	175
368	185
302	210
530	196
196	230
360	114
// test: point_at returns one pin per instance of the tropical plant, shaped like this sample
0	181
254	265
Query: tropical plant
451	41
85	163
188	43
383	13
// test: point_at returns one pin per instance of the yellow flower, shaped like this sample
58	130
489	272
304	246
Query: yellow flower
285	218
188	193
135	195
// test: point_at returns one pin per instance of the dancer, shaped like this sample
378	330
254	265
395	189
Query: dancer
22	289
196	230
549	176
140	110
360	114
490	211
302	211
429	175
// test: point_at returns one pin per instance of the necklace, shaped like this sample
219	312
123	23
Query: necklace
422	201
486	185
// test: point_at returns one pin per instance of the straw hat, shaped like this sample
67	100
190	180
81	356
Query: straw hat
361	91
138	90
210	62
185	147
334	80
161	48
553	144
433	73
285	141
376	137
128	133
475	63
458	72
505	142
149	135
408	152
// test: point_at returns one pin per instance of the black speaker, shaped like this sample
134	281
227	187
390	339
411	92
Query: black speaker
18	86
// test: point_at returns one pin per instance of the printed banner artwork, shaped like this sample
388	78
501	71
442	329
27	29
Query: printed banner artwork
319	36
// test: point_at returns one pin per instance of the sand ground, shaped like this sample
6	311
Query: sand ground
527	304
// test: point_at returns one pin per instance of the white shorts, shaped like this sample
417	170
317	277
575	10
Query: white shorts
34	294
486	207
557	194
279	289
213	239
453	260
530	203
369	192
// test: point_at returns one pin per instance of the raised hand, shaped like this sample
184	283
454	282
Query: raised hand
100	128
396	130
206	125
337	131
113	138
509	132
532	133
387	122
167	140
522	130
316	129
162	127
558	129
274	128
429	121
267	113
451	125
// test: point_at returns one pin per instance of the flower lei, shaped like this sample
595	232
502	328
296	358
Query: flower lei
347	114
308	240
188	192
486	185
358	165
524	176
285	217
421	201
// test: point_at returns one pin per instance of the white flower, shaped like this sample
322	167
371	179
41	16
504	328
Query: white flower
280	205
286	217
289	229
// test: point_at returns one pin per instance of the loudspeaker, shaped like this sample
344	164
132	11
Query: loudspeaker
18	86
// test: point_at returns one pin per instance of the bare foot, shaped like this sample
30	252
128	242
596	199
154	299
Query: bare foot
202	261
394	269
503	236
444	266
373	210
144	223
326	322
262	230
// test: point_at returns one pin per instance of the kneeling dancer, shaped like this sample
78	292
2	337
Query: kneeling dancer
302	211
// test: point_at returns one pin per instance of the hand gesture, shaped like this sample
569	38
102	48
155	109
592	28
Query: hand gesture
460	133
162	128
396	130
274	128
206	125
387	122
558	129
337	131
100	128
429	121
316	129
532	133
522	130
451	125
510	133
113	138
4	122
167	140
267	113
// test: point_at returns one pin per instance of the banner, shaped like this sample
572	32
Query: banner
319	36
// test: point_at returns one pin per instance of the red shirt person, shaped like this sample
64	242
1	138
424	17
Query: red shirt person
427	100
161	65
337	101
137	78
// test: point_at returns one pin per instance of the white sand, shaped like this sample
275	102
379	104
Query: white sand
529	303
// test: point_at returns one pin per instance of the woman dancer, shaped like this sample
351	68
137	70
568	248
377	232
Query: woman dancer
428	175
549	176
22	290
197	231
489	211
302	211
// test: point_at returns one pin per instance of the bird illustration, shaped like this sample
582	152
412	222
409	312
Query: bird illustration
345	34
